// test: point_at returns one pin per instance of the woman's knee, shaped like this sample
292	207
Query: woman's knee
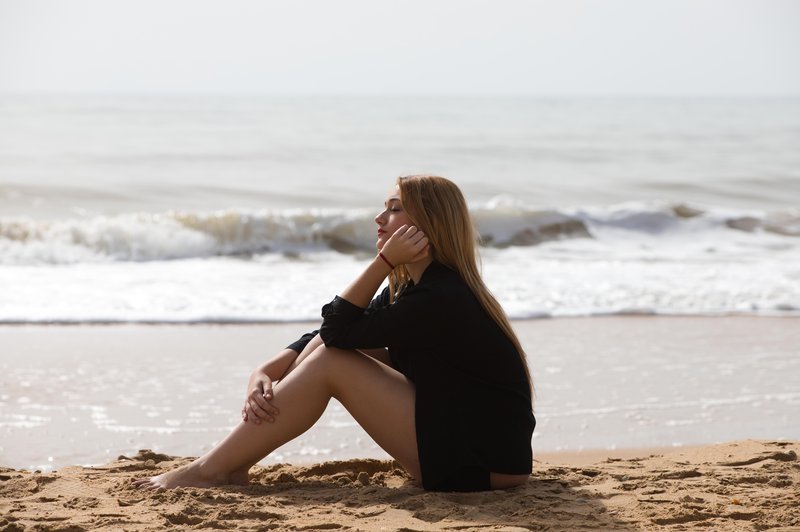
340	366
332	360
327	355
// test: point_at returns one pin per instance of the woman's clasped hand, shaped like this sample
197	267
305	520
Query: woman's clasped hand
258	405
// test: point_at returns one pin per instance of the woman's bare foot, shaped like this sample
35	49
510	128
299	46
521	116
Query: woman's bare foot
191	476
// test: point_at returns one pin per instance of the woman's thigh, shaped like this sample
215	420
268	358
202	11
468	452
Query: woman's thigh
381	355
380	398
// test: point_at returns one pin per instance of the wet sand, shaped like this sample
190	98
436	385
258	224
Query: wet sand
82	395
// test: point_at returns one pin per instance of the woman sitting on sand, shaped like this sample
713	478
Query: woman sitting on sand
431	368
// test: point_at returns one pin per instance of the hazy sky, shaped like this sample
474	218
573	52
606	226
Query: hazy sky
553	47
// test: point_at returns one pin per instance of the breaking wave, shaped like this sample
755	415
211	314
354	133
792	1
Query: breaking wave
143	237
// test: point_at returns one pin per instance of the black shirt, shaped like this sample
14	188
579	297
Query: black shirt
473	403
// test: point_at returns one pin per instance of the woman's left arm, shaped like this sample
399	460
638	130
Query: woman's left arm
406	245
345	324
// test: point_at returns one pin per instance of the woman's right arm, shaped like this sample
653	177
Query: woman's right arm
276	367
257	404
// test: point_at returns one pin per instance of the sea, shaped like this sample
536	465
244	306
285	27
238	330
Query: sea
253	208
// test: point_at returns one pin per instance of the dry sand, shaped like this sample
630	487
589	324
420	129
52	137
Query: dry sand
746	485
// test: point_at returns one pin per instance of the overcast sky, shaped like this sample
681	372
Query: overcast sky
543	48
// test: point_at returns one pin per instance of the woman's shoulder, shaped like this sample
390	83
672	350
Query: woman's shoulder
445	282
436	280
438	272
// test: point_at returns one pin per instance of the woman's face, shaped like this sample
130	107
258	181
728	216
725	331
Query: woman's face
392	218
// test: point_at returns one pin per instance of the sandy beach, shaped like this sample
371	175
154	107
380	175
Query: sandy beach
631	411
746	485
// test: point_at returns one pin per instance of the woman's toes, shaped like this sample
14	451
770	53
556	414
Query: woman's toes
145	483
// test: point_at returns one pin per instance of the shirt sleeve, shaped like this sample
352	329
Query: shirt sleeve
348	326
301	343
380	301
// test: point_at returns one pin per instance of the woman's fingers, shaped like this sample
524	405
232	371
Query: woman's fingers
265	399
258	407
257	412
261	412
414	236
419	243
267	390
258	404
422	253
405	245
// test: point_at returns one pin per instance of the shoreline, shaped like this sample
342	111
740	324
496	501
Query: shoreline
787	314
744	484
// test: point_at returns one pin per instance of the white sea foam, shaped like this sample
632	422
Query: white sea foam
233	266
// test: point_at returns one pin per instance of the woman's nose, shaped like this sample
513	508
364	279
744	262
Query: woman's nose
379	219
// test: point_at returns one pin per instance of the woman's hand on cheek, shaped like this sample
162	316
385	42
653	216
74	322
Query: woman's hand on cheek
407	244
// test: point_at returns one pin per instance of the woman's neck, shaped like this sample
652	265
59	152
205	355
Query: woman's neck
416	269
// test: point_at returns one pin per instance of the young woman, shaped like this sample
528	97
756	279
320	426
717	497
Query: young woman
431	368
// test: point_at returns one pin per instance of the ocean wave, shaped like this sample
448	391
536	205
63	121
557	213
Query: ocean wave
502	223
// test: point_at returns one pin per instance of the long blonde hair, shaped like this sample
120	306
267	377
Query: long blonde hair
437	207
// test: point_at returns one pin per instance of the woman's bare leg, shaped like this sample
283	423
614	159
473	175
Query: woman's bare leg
378	397
381	355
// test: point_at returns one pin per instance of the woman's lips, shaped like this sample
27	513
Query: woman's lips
380	232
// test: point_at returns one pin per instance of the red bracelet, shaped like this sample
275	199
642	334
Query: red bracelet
386	260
